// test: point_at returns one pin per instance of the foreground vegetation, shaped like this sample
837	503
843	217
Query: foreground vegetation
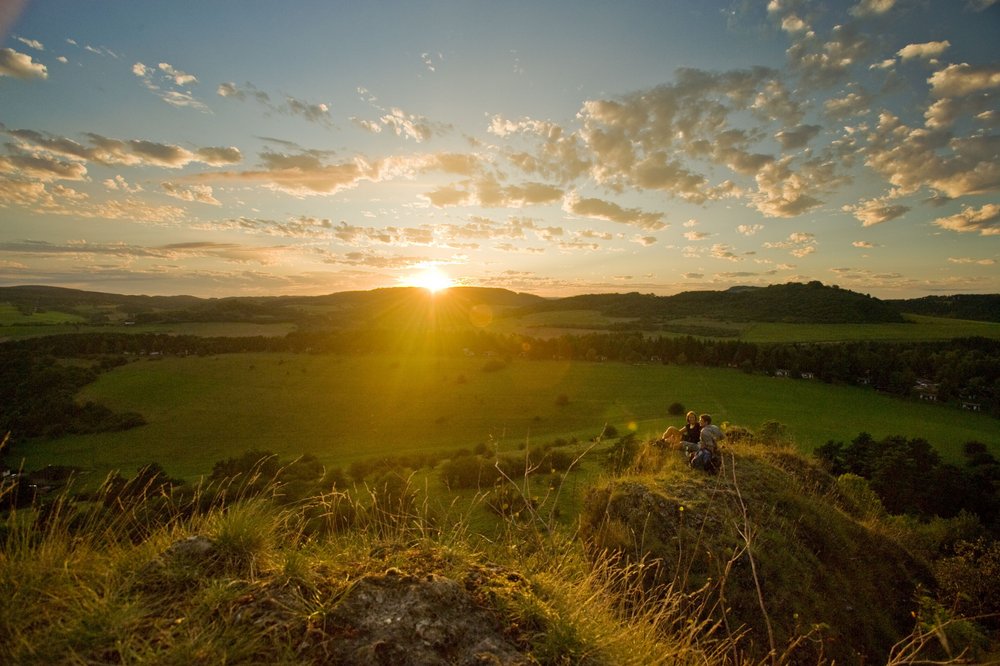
771	561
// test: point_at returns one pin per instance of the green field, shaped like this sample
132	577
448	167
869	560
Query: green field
201	329
201	410
919	329
12	316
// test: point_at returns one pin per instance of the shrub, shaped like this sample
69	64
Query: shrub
676	409
621	454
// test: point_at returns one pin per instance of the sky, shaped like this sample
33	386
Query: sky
249	147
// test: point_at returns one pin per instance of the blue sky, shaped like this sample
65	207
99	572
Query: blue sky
258	148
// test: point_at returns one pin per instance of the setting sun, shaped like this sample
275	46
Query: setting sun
433	280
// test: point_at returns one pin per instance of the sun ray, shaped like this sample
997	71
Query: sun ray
433	279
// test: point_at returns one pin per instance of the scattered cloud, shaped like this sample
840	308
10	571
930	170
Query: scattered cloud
969	260
926	50
199	193
20	66
984	220
166	82
606	210
314	112
799	244
876	211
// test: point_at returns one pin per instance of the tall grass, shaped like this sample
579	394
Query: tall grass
236	573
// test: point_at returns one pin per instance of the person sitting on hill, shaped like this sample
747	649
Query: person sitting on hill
706	457
690	433
670	439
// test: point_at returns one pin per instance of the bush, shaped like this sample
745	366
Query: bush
621	454
676	409
468	472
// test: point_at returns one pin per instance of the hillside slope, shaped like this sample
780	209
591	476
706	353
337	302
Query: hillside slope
775	542
669	566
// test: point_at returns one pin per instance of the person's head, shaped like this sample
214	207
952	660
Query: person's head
705	419
692	417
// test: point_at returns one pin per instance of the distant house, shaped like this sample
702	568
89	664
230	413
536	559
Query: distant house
926	390
972	406
807	375
781	372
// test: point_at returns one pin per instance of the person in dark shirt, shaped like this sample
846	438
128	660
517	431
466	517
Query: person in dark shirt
691	433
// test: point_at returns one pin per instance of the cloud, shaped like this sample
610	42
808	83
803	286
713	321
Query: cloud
913	158
782	192
797	137
119	184
42	168
872	7
559	154
822	64
407	125
163	80
865	245
925	50
876	211
178	77
48	149
32	43
612	212
855	103
696	235
249	91
799	244
985	220
199	193
20	66
488	192
964	79
969	260
749	229
722	251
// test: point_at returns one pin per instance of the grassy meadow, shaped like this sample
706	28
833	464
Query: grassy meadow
341	409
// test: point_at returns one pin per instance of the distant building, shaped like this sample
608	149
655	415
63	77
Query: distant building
926	390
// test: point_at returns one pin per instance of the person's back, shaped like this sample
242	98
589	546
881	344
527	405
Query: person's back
708	444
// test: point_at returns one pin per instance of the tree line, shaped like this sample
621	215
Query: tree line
39	385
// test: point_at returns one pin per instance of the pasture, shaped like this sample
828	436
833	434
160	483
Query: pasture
341	409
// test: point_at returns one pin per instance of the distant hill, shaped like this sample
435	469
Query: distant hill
793	303
350	308
978	307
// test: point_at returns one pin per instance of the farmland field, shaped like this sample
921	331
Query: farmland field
201	410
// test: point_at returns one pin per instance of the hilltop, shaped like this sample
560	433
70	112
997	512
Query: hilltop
668	566
782	303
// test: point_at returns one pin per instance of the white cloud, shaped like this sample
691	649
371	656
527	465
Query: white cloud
924	50
32	43
178	77
198	193
969	260
872	7
876	211
985	220
606	210
20	66
964	79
